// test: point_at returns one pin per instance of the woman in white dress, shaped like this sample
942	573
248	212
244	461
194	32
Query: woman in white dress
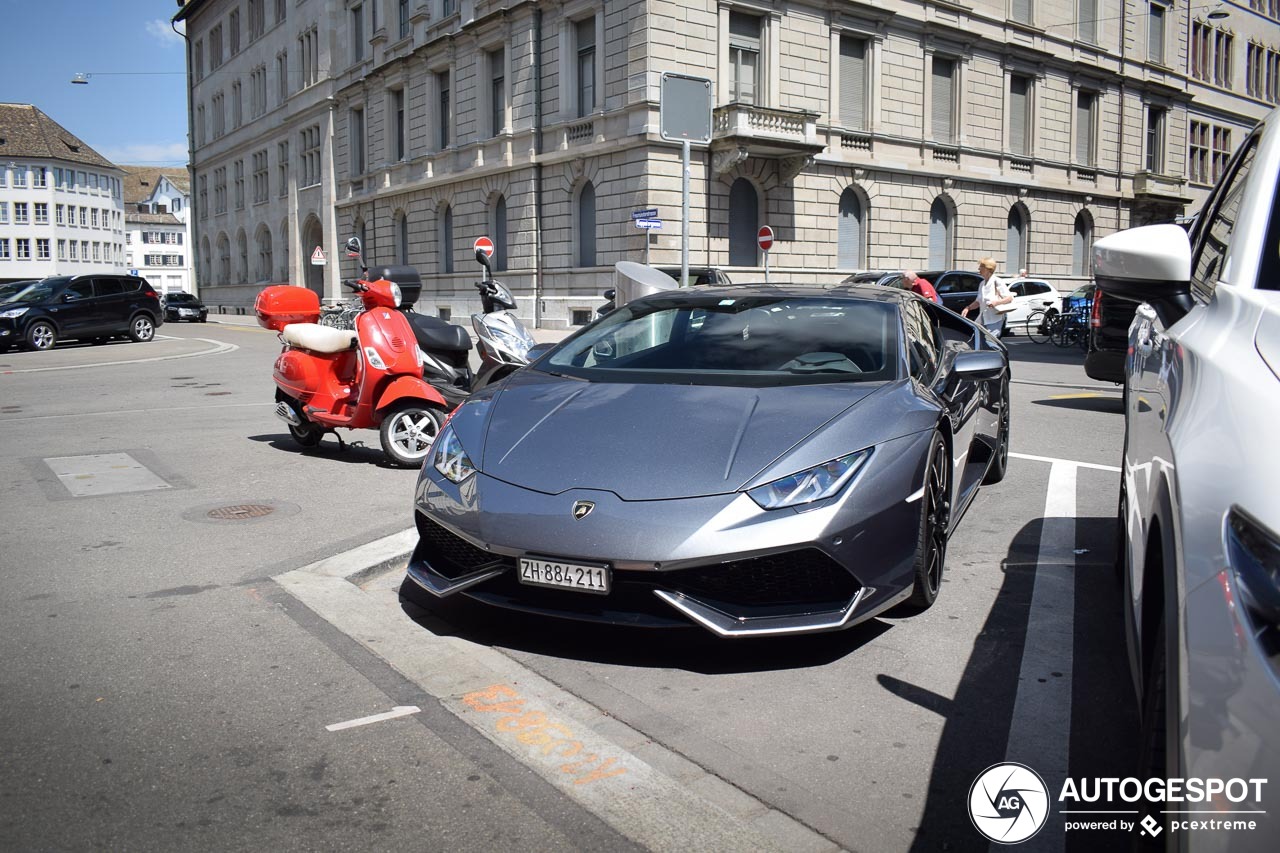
993	292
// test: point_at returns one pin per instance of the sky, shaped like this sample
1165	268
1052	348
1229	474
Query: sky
133	111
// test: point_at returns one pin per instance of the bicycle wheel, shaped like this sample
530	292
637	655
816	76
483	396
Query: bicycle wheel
1068	332
1039	326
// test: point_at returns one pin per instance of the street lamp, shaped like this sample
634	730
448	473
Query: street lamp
81	78
1218	13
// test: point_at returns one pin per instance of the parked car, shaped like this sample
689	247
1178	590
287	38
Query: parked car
1031	294
882	277
82	307
795	461
957	288
1199	514
184	306
1109	320
700	275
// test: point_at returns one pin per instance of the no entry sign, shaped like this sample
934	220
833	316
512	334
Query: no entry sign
765	238
483	244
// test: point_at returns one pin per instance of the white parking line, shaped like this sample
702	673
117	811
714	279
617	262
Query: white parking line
1070	462
217	349
397	711
1040	729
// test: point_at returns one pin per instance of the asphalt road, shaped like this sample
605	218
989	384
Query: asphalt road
162	688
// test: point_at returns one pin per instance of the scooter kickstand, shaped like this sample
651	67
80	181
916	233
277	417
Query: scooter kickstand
342	445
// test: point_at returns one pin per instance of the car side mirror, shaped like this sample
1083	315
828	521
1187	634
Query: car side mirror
979	364
610	294
537	351
1150	264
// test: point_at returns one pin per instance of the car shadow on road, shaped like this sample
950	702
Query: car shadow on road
977	719
1112	405
1022	349
692	649
350	452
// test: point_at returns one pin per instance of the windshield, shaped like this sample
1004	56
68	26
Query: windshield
8	291
753	341
180	297
38	292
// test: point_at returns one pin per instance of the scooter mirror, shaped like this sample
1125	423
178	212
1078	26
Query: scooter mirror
353	247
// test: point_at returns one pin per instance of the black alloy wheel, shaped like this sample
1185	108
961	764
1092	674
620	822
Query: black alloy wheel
935	516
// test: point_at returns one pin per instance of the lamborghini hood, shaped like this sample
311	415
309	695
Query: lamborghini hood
649	441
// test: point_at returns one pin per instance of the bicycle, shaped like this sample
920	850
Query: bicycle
340	316
1073	330
1042	325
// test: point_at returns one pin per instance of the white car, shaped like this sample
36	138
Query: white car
1031	294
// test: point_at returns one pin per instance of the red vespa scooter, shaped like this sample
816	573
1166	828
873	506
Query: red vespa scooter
369	378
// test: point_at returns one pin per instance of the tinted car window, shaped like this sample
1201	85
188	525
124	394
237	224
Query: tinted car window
1216	237
1019	289
755	341
175	298
958	283
82	289
922	342
110	287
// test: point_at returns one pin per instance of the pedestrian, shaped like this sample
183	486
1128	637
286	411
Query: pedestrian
919	284
992	295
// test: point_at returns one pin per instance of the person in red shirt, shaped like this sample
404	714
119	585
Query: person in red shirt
920	285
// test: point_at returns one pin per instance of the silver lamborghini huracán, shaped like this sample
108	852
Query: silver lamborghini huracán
752	459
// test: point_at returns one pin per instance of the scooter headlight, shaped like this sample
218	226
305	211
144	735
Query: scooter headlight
815	484
396	294
450	459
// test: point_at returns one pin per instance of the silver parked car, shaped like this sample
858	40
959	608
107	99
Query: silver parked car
1199	506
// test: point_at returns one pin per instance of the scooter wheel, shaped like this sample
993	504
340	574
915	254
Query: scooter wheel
308	435
407	432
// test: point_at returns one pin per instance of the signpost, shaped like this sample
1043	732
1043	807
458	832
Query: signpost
648	221
317	257
765	238
684	116
483	244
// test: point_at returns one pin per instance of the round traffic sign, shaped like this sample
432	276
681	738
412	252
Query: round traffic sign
765	237
483	244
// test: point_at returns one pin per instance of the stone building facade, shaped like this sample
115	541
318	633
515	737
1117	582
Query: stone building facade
904	133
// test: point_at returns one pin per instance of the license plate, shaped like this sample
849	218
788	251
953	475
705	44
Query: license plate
576	576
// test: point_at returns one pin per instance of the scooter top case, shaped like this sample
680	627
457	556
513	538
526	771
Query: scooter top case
282	304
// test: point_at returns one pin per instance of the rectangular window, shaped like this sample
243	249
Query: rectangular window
73	249
497	92
398	126
220	190
42	248
584	33
4	213
403	6
1155	140
237	105
744	57
20	176
1020	11
357	33
4	249
24	248
442	88
1156	14
20	215
233	32
943	108
282	77
1221	152
1199	50
282	10
97	251
215	47
62	250
197	61
853	83
1223	56
310	153
257	19
261	180
239	184
1086	103
93	217
59	214
282	168
39	177
84	217
357	143
1019	115
42	213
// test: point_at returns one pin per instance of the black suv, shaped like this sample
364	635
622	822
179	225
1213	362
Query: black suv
1108	337
184	306
958	288
83	307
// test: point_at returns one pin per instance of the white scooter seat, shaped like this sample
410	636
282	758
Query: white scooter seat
318	338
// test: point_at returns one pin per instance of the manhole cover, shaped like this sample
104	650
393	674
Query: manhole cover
240	512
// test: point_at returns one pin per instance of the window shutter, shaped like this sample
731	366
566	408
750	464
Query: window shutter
1084	128
939	224
744	221
849	231
853	82
1013	256
943	98
587	226
1087	19
1021	11
1079	247
1018	115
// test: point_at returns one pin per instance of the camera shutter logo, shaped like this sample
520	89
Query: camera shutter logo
1008	803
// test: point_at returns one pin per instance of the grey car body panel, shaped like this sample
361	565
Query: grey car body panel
1202	405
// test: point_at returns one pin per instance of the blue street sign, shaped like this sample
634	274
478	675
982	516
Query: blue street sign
651	213
648	224
133	272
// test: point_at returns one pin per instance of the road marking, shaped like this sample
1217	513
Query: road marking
104	474
217	348
1070	462
136	412
1040	728
1086	395
397	711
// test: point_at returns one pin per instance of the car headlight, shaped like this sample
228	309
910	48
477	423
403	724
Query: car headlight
815	484
13	313
450	459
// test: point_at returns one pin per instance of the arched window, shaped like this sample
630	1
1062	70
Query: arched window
850	231
265	265
939	235
206	263
242	256
587	226
445	239
1082	244
224	259
402	238
284	250
1016	251
744	221
499	230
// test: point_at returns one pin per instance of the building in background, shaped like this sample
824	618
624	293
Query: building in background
868	136
61	204
157	227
